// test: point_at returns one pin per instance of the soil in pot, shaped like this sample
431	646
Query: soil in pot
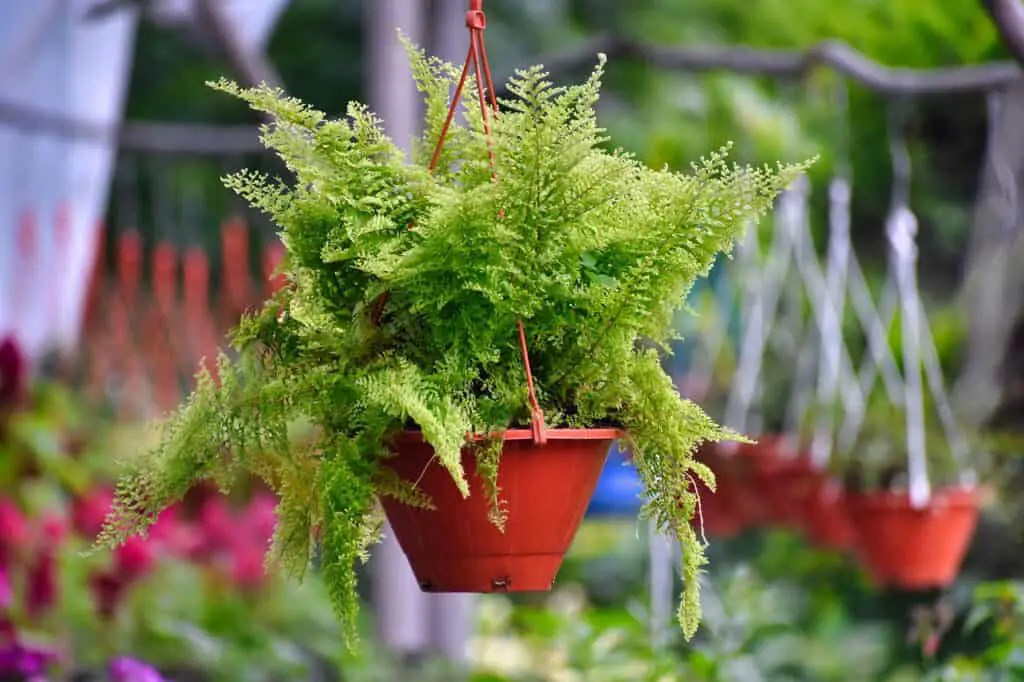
914	548
545	490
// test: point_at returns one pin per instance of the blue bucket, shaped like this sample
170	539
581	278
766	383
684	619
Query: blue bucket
619	489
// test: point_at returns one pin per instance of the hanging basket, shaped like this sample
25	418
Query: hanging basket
545	488
827	518
914	548
718	515
785	480
773	482
735	506
546	476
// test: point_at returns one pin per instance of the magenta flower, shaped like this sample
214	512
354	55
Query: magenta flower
41	584
12	373
134	558
219	527
175	535
6	592
88	512
125	669
25	662
260	518
54	529
107	591
248	571
14	531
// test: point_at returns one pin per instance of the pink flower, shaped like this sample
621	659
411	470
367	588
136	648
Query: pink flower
218	526
126	669
107	590
179	537
88	512
13	373
14	530
41	584
25	662
54	529
247	568
260	518
6	593
133	559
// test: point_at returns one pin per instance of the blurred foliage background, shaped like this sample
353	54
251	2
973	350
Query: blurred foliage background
777	609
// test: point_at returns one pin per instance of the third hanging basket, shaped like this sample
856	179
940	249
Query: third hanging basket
914	548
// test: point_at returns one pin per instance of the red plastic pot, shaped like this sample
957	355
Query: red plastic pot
734	473
780	480
914	548
827	519
786	487
717	512
545	489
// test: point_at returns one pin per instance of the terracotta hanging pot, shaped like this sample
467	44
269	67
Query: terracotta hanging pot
914	548
787	487
783	480
545	489
827	518
736	505
717	514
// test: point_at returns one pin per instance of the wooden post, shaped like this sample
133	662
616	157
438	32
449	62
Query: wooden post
987	389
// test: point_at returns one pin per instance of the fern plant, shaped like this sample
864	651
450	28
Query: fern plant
590	248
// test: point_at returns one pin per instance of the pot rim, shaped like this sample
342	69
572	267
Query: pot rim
516	434
944	497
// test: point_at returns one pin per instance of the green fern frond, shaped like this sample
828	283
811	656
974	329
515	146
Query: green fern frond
488	460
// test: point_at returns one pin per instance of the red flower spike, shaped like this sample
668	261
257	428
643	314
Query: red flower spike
247	568
134	559
6	591
217	524
41	589
89	511
260	519
13	373
14	530
175	535
54	529
107	591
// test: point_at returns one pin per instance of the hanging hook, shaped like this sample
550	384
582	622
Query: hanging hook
475	17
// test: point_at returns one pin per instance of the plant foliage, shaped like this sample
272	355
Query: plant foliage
590	248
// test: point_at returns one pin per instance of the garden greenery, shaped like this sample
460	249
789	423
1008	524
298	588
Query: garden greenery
591	249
